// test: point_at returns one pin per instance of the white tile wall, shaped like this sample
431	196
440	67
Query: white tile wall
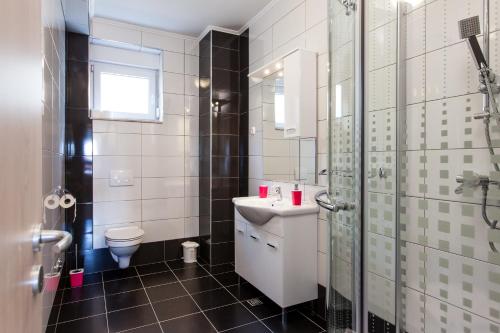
450	274
289	24
163	198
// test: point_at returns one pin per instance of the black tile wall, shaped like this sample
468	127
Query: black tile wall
78	144
223	140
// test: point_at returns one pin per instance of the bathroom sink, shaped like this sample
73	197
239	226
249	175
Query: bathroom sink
260	211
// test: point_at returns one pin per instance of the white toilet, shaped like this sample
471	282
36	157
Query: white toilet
123	242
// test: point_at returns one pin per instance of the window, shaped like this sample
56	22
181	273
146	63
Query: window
125	83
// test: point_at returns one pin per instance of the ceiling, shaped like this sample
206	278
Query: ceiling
189	17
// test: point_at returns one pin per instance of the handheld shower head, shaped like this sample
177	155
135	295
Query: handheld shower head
469	28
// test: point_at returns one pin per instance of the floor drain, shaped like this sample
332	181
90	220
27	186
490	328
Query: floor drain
254	302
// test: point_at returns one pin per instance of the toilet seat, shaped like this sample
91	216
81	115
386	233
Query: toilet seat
126	236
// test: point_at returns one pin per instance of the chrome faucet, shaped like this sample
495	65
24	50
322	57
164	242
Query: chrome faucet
277	191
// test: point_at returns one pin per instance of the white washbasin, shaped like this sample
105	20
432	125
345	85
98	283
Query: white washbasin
260	211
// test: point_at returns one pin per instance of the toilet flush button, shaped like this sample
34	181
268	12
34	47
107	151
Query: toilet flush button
121	178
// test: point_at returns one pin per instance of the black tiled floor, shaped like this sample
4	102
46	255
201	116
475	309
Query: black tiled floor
190	272
174	308
83	293
166	291
152	268
87	308
196	323
156	279
126	300
131	318
178	264
250	328
184	300
295	323
122	285
230	316
119	274
213	298
244	291
265	310
201	284
95	324
227	279
155	328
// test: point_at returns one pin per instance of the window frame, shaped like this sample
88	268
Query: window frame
154	76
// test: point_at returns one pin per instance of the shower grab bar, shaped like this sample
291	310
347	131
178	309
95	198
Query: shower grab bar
335	206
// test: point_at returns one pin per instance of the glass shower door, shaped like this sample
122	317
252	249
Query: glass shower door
345	181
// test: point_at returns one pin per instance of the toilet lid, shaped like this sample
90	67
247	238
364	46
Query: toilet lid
124	234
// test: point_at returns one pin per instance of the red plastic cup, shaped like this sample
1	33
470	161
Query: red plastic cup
263	191
296	198
76	278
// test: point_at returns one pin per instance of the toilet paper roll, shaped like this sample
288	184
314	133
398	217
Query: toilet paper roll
52	201
67	201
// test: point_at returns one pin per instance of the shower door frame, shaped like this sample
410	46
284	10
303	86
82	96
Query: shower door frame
358	138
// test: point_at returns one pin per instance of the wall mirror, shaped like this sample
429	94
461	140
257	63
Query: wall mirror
288	158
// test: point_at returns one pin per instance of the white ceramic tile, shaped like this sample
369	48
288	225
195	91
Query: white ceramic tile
255	97
163	42
191	105
192	227
289	26
173	104
381	297
298	42
114	126
173	83
102	191
191	207
317	37
192	186
162	166
415	33
382	46
192	126
192	47
172	125
115	212
160	230
415	80
160	145
102	165
443	317
173	62
192	64
260	46
158	209
192	85
316	11
162	188
115	33
323	236
116	144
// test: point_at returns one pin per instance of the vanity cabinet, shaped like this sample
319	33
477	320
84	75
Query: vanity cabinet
280	257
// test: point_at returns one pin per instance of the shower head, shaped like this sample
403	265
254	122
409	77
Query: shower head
469	28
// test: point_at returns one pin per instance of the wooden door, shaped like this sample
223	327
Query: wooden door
20	161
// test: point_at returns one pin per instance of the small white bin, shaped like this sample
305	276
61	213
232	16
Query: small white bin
189	249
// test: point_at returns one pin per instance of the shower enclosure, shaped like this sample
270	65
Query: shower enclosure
414	198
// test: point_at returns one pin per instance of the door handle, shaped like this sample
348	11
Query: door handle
63	239
332	206
254	237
